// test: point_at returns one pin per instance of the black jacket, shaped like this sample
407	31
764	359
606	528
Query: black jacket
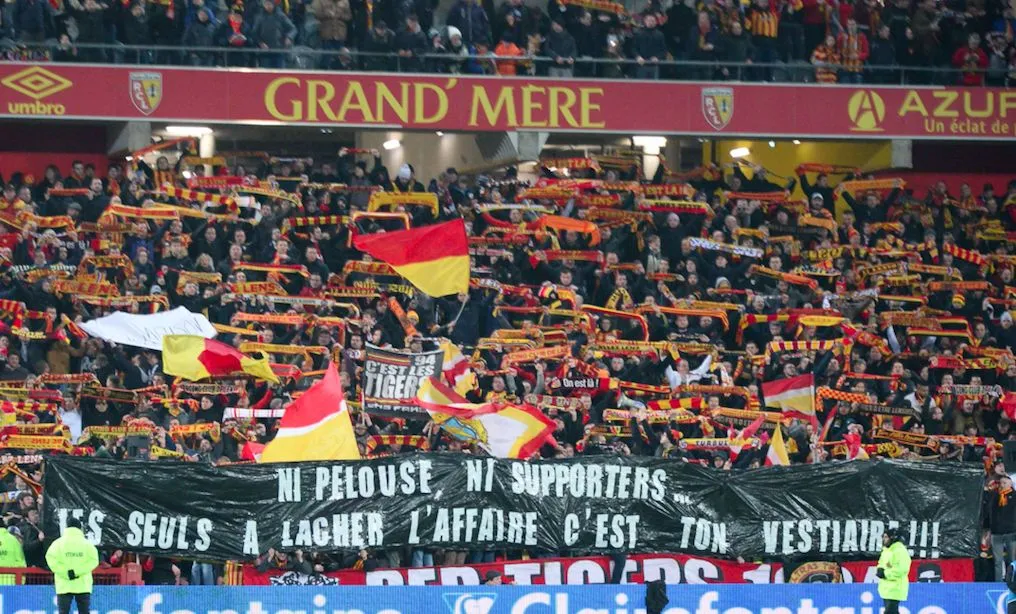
91	25
589	41
136	30
1002	518
272	29
737	48
883	53
650	44
559	45
199	34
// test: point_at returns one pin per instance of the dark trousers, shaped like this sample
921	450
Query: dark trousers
1010	608
891	606
63	602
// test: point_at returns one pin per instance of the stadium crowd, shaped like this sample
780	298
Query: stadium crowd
846	40
672	299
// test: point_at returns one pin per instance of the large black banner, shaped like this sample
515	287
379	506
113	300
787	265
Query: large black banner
392	378
589	504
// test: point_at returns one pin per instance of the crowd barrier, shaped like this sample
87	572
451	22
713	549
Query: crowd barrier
601	599
128	574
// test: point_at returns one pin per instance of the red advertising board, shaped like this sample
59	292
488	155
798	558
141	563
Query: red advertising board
378	100
673	568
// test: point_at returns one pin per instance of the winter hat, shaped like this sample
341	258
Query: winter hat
404	172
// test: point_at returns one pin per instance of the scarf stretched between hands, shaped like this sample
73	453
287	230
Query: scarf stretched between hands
739	250
864	185
35	442
549	353
841	345
160	452
687	207
197	388
763	197
824	392
790	278
954	362
967	255
909	439
546	401
216	199
828	169
294	269
632	348
185	430
669	189
651	416
158	213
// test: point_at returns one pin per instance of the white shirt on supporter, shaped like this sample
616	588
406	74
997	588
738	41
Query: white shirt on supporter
675	379
72	418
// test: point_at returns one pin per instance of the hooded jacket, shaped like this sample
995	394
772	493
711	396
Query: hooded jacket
11	555
895	561
72	552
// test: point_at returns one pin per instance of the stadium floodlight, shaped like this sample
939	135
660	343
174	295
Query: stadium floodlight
739	152
391	144
188	130
649	141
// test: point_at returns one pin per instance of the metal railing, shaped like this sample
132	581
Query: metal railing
306	58
130	573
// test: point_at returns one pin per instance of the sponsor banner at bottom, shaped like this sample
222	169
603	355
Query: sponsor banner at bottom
672	568
962	598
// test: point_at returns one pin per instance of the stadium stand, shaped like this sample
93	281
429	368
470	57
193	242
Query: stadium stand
926	42
677	301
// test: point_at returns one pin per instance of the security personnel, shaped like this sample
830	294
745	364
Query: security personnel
893	571
11	555
72	559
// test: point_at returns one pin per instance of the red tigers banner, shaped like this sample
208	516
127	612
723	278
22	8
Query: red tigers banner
640	568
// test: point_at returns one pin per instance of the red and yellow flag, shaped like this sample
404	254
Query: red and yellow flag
456	370
794	395
505	431
195	358
315	427
435	258
777	453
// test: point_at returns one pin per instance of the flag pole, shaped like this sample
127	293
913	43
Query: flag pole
461	309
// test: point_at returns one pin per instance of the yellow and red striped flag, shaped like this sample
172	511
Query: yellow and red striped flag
505	431
195	358
315	427
455	369
777	454
435	258
795	396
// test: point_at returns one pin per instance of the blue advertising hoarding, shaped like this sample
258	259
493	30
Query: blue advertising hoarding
600	599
